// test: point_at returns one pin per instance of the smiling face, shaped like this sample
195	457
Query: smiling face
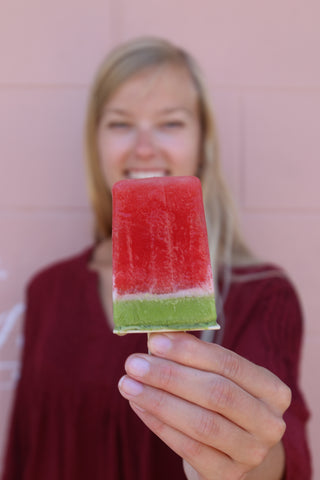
150	127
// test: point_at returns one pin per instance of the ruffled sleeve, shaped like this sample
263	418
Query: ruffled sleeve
268	330
17	443
287	325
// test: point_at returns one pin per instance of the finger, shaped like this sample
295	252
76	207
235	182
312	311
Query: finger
195	422
209	463
188	350
210	391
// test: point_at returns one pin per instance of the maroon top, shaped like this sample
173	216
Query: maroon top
69	420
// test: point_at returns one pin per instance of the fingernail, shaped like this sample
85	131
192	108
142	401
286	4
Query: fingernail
130	387
137	366
159	343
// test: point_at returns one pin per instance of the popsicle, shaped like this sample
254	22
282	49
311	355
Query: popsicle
162	276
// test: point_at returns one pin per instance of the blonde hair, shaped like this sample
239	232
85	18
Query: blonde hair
226	243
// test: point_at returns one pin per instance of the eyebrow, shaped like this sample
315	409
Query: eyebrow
177	109
163	111
115	110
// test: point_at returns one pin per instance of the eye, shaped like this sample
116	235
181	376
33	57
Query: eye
118	125
172	124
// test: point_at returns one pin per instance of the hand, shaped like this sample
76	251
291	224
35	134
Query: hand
221	413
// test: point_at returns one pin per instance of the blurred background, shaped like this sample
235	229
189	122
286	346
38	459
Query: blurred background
261	60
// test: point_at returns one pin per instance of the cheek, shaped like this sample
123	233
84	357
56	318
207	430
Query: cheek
187	152
112	148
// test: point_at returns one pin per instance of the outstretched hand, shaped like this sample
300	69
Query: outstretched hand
221	413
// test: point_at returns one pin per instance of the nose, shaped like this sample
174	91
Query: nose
144	147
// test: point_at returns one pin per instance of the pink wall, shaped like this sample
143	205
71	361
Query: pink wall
262	64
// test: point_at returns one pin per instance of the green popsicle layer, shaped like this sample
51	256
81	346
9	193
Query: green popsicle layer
173	313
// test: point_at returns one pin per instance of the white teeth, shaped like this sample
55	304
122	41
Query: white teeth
146	174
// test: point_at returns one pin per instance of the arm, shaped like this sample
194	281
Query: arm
221	413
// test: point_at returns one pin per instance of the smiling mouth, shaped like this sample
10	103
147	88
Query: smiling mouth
136	174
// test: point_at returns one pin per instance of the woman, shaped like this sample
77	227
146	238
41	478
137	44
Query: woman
208	411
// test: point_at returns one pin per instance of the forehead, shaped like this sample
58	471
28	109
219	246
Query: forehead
162	86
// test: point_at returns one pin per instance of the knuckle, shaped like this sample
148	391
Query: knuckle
207	426
282	395
220	394
191	449
285	396
158	401
257	455
190	346
166	375
231	365
157	426
279	429
276	431
235	472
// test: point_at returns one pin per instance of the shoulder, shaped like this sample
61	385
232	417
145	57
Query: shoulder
62	272
263	280
264	294
263	317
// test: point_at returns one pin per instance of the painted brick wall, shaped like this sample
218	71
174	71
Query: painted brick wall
262	64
